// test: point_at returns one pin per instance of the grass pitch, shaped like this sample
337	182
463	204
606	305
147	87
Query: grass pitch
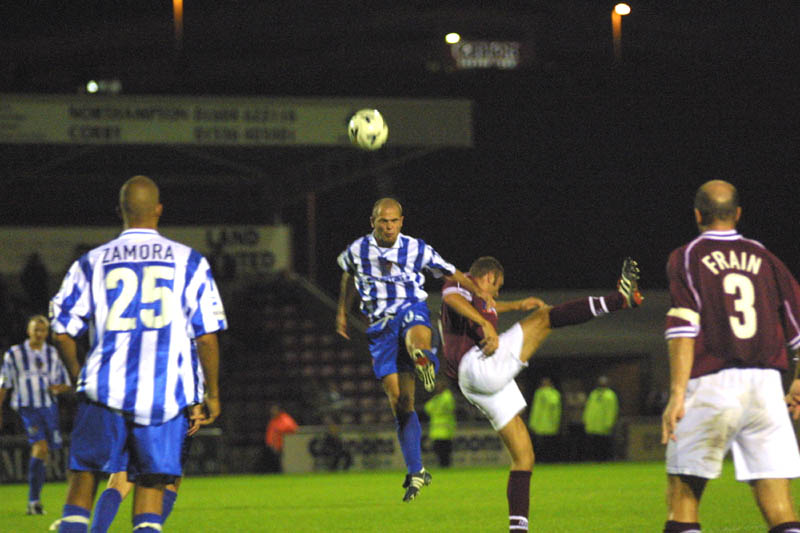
621	497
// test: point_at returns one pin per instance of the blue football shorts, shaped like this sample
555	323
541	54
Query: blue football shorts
387	339
105	440
41	423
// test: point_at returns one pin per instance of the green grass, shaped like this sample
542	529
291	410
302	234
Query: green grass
622	497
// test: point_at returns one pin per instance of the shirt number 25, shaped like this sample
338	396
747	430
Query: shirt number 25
148	291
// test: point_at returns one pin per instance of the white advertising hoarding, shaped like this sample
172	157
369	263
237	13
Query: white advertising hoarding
232	250
377	449
174	120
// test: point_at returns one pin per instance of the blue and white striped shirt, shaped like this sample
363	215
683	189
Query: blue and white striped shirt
389	278
199	378
145	297
30	373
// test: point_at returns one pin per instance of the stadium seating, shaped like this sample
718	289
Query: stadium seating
281	349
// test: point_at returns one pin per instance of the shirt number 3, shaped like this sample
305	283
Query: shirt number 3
745	326
148	292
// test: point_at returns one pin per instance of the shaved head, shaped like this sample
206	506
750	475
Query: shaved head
717	203
384	203
139	202
386	221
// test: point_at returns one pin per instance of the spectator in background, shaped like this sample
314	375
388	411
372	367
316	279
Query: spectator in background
334	450
441	409
599	419
574	401
34	279
330	402
656	401
280	423
545	421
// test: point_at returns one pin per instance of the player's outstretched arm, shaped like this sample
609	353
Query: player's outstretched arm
347	294
681	358
208	352
460	305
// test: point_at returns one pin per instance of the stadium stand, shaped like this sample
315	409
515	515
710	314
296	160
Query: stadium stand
281	349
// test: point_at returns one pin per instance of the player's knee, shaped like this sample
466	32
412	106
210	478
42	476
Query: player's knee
528	460
524	459
418	338
405	403
119	482
538	320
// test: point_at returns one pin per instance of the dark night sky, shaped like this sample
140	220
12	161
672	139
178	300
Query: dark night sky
577	162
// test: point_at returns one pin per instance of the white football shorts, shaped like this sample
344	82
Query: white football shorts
488	381
737	409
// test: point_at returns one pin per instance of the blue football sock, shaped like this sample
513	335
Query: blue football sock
105	510
169	500
74	519
36	475
147	523
409	433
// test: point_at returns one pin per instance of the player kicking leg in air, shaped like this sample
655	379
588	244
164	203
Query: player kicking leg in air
485	368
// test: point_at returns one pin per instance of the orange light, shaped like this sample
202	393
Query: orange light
622	9
177	10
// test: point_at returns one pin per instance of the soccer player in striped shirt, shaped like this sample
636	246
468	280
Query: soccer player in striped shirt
146	299
36	374
735	311
384	268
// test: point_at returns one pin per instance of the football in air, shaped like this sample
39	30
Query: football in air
367	129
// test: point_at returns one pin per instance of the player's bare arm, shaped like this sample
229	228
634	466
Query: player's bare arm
460	305
681	357
68	349
526	304
467	282
208	352
347	293
60	388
